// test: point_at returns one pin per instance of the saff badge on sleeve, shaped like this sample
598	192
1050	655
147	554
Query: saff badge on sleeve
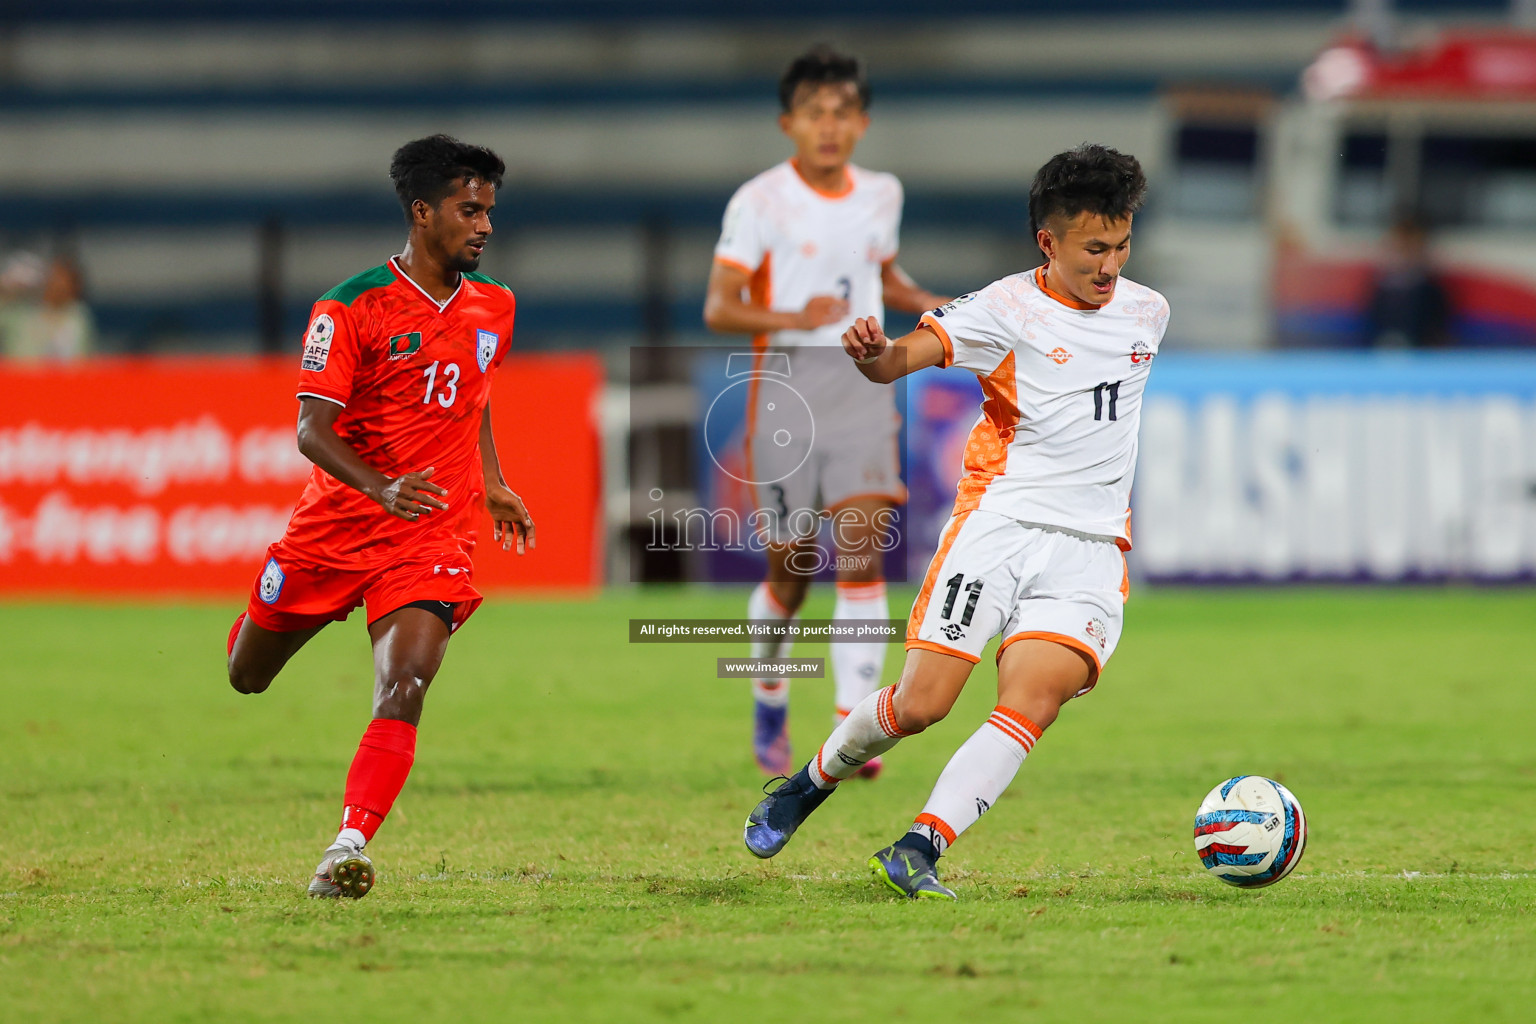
486	343
317	342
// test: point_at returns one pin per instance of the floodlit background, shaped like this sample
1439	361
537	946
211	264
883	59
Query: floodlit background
184	179
1343	216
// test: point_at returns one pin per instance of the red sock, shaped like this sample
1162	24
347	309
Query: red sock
234	631
378	773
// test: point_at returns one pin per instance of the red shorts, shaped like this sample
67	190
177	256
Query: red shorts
292	593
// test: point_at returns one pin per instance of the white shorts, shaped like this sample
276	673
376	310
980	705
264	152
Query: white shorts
794	482
994	575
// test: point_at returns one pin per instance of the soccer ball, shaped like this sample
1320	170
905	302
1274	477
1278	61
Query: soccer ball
1250	831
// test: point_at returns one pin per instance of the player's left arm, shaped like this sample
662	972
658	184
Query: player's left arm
508	513
903	294
882	360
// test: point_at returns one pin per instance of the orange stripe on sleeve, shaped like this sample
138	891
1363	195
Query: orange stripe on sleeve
726	261
933	325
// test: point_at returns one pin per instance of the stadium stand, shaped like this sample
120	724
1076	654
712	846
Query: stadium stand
216	167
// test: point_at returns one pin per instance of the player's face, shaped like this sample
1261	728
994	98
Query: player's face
1086	254
826	123
457	228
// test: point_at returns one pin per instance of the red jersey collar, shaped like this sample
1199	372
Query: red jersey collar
441	307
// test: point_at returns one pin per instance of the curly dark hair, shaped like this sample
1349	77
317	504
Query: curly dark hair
431	169
822	65
1090	178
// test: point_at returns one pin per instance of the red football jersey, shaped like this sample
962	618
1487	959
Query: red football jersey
413	379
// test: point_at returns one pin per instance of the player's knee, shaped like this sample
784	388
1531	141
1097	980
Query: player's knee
917	711
401	691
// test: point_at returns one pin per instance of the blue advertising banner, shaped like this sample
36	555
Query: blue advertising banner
1348	466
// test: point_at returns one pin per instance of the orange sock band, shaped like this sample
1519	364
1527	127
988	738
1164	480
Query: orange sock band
1015	726
885	712
939	825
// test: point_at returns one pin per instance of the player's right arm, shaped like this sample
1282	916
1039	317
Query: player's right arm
746	240
728	310
331	353
883	360
408	496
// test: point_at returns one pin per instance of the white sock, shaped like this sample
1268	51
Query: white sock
869	730
762	607
351	836
856	667
976	776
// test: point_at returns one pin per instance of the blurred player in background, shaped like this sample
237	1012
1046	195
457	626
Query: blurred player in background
808	246
394	411
1033	550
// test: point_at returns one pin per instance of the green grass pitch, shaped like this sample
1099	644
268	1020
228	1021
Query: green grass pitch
569	846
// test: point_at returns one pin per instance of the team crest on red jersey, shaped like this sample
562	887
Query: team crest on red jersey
272	578
486	343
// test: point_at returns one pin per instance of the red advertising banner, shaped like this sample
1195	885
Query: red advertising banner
157	476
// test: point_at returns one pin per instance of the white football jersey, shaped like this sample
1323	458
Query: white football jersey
798	242
1056	440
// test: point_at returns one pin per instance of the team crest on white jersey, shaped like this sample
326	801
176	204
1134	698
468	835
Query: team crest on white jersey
1098	631
317	342
486	343
1141	352
271	587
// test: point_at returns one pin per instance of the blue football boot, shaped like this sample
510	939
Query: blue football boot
775	819
907	866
